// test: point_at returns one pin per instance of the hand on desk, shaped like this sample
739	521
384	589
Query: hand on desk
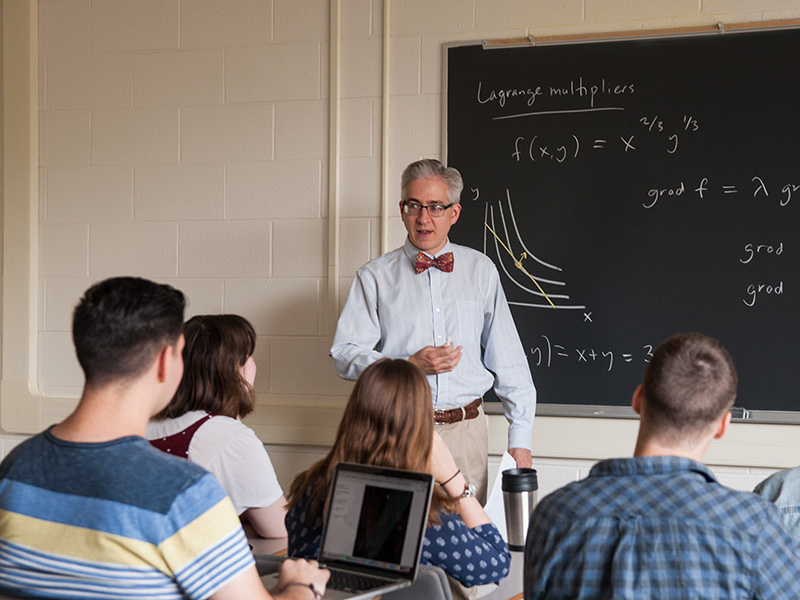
437	359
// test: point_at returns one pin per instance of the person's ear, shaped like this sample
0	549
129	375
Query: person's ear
636	401
168	360
162	362
456	212
723	424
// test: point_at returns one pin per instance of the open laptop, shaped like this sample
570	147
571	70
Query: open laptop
374	527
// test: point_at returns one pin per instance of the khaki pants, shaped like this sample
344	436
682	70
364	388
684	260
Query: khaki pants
468	442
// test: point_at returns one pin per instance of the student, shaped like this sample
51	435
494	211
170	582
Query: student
89	509
659	525
388	422
202	423
783	489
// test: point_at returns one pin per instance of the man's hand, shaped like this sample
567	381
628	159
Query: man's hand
437	359
522	457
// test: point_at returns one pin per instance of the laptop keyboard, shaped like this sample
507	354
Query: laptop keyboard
346	581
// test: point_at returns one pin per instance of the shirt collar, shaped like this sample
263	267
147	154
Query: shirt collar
411	250
651	465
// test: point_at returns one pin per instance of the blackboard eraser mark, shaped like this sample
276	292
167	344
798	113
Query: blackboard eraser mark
740	412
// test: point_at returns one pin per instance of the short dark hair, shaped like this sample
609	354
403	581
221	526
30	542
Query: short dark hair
430	168
217	346
121	324
689	383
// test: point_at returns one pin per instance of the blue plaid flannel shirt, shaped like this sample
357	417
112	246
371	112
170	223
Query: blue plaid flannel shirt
658	528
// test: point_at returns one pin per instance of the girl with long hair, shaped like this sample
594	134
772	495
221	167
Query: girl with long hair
388	422
203	420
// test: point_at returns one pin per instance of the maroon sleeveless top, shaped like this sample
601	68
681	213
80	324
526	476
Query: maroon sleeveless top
177	444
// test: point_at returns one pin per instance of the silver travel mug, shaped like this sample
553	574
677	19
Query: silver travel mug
520	487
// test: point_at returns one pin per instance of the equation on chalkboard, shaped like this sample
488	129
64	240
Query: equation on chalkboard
628	190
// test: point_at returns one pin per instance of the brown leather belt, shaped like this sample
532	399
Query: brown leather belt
462	413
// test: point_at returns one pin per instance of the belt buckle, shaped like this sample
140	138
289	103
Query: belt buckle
463	413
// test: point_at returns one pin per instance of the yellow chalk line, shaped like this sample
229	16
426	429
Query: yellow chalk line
518	263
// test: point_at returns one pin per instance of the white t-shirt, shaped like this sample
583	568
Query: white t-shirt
230	450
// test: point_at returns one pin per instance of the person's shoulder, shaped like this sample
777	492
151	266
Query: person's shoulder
225	424
220	431
471	253
176	484
782	487
27	445
127	471
383	261
612	487
449	521
478	262
20	455
452	523
167	476
157	428
569	502
144	458
741	510
739	497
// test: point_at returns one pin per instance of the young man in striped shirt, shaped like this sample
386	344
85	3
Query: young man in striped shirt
89	509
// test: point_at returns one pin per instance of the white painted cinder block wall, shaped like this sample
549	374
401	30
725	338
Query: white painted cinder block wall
187	141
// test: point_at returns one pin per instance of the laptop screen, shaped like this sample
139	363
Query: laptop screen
376	517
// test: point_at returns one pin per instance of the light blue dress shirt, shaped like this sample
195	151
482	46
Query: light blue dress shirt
394	312
783	489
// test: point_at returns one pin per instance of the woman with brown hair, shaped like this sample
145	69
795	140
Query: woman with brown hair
203	420
388	422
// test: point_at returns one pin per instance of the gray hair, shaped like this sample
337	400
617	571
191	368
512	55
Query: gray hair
429	168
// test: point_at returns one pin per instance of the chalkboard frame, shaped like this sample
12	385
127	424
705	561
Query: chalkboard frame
598	410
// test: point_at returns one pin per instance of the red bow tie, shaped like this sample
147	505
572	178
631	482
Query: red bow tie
443	262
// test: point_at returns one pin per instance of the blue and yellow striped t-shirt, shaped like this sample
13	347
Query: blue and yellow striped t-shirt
116	519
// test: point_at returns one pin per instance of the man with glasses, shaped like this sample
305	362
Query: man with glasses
441	306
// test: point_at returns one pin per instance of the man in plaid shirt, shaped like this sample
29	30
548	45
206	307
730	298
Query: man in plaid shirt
659	526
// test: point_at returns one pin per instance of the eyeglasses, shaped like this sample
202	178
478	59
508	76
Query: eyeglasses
414	209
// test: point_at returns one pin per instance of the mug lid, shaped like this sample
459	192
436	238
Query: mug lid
520	480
